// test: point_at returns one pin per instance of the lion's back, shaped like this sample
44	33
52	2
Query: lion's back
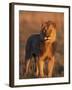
32	46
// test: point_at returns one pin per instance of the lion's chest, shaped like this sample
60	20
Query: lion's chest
46	52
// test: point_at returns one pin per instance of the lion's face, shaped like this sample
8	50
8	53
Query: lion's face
48	32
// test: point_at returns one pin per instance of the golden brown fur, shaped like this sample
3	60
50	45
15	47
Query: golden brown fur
50	28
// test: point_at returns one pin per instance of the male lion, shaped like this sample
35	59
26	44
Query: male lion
41	47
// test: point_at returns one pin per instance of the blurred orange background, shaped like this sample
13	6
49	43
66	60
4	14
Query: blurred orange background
30	23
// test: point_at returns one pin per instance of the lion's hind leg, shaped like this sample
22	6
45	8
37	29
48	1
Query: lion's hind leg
51	66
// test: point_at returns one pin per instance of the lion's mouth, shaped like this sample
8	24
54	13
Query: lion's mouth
47	38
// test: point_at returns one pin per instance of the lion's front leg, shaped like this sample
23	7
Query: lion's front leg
41	67
51	66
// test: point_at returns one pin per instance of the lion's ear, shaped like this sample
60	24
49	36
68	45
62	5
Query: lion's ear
41	28
41	25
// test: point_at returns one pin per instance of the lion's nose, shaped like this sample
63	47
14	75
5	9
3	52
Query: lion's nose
47	35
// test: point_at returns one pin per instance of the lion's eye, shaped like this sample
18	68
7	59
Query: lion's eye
44	31
50	31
